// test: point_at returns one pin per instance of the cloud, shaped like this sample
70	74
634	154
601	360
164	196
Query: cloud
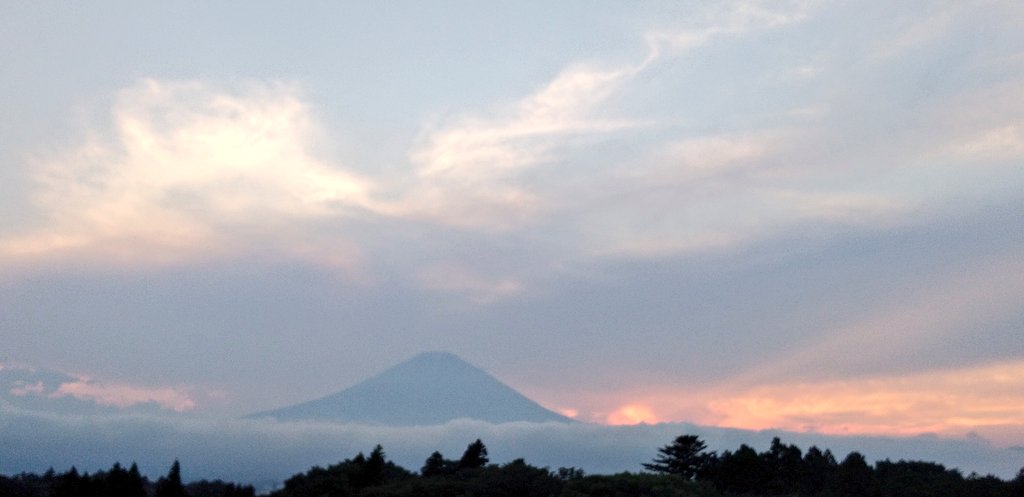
21	388
475	148
983	399
50	391
467	170
470	171
632	414
189	170
1002	143
726	18
122	395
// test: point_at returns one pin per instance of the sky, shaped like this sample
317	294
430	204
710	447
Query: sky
806	216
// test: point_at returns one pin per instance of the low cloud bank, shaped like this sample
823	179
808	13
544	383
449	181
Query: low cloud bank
265	452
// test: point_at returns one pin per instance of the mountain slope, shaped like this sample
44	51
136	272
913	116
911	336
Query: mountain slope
430	389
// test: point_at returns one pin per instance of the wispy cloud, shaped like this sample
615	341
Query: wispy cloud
467	171
470	170
1002	143
725	19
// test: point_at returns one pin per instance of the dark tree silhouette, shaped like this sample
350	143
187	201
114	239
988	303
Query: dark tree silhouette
779	471
784	464
372	472
743	471
170	485
70	484
475	456
686	456
854	476
136	482
435	465
817	471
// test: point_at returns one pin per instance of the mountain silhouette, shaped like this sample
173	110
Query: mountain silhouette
429	389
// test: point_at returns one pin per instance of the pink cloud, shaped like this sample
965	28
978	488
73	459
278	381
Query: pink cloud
121	395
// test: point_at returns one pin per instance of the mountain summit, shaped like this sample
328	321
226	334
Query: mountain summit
429	389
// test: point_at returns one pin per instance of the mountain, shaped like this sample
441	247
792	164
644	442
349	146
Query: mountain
432	388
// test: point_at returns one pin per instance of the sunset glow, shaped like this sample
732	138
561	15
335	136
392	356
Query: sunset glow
632	414
745	215
984	400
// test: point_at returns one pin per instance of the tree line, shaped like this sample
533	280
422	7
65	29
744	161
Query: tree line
116	482
682	468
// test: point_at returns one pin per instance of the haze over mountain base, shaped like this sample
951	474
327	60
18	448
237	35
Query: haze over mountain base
265	452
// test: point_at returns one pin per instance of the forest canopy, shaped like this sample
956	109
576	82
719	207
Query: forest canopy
682	468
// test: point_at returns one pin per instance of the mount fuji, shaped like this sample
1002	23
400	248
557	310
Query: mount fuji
431	388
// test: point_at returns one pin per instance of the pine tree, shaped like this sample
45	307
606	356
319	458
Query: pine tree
170	485
475	456
685	457
435	465
136	482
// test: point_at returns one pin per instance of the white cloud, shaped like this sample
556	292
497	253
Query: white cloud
467	170
1001	143
185	168
477	148
725	19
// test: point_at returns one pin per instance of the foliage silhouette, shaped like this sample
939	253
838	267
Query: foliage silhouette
170	485
474	457
686	456
781	470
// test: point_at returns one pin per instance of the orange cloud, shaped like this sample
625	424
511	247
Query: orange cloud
985	400
632	414
980	399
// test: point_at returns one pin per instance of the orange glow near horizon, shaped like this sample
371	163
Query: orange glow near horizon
632	414
986	401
